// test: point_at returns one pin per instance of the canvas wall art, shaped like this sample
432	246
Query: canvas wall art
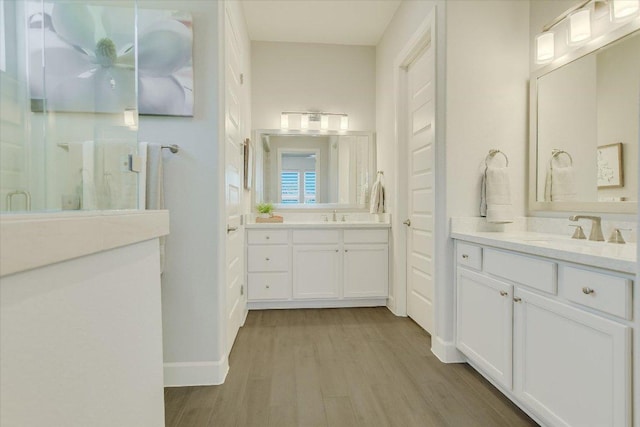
82	58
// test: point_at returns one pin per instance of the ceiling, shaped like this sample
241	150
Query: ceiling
350	22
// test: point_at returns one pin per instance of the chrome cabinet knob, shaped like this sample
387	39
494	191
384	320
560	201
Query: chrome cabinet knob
465	256
516	299
587	291
267	237
504	293
407	223
267	259
267	286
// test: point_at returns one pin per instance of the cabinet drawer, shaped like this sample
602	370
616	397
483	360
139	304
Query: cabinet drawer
469	255
273	237
316	236
266	286
603	292
532	272
268	258
366	236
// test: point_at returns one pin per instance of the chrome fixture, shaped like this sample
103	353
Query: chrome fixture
596	226
26	195
616	236
579	233
174	148
317	120
492	153
335	218
407	223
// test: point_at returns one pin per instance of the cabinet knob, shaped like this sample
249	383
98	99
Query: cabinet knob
504	293
587	291
337	250
267	286
516	299
267	259
267	237
346	250
465	256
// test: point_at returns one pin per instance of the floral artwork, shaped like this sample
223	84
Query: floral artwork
90	59
609	158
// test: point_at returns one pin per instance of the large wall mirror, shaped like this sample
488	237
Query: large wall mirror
321	170
584	130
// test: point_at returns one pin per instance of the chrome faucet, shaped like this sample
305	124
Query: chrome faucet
596	226
335	218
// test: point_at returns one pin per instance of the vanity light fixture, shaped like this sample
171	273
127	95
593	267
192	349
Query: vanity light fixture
545	47
314	120
579	26
621	9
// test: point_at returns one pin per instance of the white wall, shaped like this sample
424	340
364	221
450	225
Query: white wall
81	342
306	77
192	303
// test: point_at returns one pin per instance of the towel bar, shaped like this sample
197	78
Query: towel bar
556	152
492	154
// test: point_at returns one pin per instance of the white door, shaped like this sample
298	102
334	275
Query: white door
366	271
571	367
316	271
233	182
484	324
420	191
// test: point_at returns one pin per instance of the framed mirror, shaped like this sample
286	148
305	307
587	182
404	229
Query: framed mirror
584	128
306	170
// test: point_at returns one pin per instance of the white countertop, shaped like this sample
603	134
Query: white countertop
610	256
35	240
320	225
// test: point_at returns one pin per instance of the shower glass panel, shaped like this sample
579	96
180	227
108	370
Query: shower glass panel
69	114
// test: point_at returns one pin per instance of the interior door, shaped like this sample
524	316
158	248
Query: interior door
420	192
233	182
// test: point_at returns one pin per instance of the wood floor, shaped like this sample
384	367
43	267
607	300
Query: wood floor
340	367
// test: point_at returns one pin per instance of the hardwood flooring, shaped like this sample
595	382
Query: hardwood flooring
340	367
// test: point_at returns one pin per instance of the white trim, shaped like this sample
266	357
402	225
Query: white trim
269	305
184	374
446	352
423	37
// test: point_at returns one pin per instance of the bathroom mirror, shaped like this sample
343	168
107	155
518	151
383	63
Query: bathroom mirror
314	170
584	129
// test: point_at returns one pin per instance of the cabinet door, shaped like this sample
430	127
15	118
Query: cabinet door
571	367
485	324
366	271
316	271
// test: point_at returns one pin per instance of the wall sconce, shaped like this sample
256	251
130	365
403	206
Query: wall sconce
545	48
313	120
579	26
621	9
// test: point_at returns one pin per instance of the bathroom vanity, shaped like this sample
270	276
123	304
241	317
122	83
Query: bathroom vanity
549	321
332	264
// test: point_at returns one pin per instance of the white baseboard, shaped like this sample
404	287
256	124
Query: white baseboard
391	305
269	305
182	374
446	351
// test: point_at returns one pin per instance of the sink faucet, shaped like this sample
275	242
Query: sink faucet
596	226
335	218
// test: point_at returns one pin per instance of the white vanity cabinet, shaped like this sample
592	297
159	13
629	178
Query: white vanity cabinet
559	345
325	267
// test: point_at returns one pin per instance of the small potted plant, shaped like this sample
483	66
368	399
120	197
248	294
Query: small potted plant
265	210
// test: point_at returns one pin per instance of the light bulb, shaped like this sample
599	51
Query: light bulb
545	48
579	26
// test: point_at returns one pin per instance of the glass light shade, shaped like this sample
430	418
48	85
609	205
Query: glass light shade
304	121
130	117
324	122
284	121
621	9
344	123
579	26
545	48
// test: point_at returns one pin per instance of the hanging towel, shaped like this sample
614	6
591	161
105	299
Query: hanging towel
155	187
89	196
495	198
376	204
560	184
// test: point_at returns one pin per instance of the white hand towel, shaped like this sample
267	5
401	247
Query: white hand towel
89	196
560	185
155	186
376	204
496	196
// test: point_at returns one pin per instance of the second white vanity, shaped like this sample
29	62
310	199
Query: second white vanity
549	321
332	264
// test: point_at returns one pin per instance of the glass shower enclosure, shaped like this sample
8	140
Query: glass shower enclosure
68	105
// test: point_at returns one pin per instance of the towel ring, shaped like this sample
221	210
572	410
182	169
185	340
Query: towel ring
557	152
492	154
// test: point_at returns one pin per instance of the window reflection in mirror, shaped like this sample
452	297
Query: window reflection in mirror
314	170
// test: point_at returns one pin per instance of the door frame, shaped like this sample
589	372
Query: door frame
424	37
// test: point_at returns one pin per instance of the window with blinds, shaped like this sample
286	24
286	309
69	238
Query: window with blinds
290	187
310	187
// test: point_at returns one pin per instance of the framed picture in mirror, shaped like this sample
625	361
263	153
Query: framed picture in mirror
610	170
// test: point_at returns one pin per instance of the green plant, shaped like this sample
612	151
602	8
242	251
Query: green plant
264	208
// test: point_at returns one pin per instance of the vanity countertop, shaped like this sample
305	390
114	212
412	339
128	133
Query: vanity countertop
330	224
610	256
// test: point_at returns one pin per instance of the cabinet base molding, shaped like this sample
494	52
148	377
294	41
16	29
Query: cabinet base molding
184	374
445	351
269	305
